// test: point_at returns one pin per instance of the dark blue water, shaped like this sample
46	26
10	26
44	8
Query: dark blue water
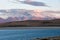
28	34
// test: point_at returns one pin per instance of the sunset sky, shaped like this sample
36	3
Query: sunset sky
45	5
14	4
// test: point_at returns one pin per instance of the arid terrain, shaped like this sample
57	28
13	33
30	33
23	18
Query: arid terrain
31	23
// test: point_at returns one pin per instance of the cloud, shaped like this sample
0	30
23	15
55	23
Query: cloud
34	3
15	13
29	14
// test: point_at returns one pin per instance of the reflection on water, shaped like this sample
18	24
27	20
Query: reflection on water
27	34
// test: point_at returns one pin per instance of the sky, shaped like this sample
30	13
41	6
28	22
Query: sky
14	4
52	5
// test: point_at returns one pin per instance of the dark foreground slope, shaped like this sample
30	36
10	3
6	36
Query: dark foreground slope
49	38
31	23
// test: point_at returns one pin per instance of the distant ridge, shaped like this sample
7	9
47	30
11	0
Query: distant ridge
31	23
22	14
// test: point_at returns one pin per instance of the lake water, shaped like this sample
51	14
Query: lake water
28	34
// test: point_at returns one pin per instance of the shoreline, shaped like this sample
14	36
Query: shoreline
19	28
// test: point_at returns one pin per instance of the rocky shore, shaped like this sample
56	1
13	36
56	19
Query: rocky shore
49	38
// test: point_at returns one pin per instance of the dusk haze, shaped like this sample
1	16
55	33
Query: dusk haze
23	10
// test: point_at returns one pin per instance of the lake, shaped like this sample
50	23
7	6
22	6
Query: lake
27	34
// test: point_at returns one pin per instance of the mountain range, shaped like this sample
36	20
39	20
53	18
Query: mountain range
22	14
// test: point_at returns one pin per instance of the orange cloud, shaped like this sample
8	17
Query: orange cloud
37	13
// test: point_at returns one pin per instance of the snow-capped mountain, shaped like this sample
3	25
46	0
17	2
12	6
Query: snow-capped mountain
22	14
2	20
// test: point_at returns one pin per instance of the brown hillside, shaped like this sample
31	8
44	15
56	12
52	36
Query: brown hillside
31	23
